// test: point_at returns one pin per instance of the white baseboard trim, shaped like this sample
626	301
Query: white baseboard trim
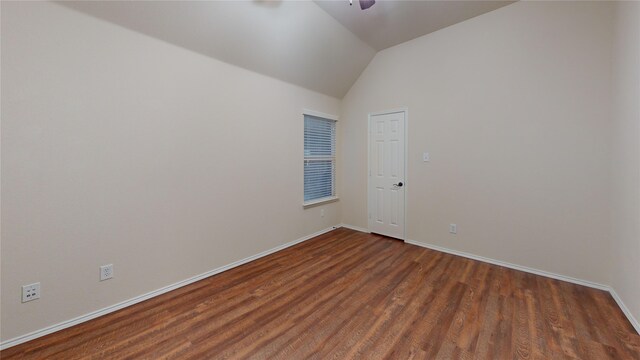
92	315
634	322
109	309
510	265
356	228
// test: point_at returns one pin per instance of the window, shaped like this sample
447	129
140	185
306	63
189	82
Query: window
319	159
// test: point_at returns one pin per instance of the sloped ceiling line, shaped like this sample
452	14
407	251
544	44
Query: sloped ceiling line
322	45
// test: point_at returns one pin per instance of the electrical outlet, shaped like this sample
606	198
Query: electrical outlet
453	228
106	272
30	292
321	212
426	157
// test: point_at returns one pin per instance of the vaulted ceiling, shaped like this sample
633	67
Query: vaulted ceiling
321	45
390	23
294	41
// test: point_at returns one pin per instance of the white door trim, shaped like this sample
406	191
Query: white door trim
404	110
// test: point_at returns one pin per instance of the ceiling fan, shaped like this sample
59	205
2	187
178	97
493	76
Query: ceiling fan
364	4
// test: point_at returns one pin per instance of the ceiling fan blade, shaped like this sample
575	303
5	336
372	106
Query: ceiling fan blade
365	4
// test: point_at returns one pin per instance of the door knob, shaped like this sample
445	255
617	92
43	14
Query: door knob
398	184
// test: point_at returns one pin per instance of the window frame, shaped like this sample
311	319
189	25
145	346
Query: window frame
333	158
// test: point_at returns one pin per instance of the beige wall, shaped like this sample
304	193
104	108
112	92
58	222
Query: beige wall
626	156
119	148
514	108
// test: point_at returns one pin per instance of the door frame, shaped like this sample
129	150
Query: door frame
405	111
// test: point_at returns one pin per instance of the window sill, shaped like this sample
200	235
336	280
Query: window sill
326	200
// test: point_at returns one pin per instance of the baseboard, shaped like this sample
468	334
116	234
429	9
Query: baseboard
92	315
511	266
623	307
356	228
634	322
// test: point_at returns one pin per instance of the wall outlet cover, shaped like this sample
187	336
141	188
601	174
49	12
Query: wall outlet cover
106	272
30	292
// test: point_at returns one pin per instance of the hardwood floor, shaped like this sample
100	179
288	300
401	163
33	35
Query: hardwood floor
347	295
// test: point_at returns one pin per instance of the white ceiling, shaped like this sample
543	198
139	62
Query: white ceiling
295	41
390	23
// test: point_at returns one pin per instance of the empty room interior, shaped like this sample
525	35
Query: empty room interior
276	179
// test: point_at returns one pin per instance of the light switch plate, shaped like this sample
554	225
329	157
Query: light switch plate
426	157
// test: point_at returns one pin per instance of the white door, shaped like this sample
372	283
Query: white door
386	174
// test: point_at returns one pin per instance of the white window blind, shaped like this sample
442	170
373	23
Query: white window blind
319	158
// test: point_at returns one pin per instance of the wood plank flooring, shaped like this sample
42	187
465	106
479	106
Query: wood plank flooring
346	295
